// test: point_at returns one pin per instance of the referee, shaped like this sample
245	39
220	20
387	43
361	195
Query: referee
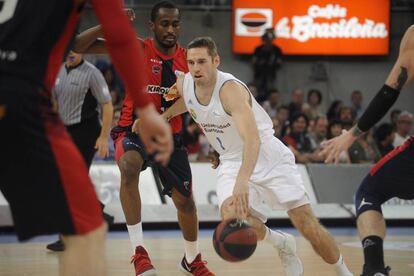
79	89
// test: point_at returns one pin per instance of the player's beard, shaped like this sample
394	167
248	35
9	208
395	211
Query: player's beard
166	44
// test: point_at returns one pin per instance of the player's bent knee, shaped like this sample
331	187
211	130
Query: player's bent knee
184	204
129	166
366	199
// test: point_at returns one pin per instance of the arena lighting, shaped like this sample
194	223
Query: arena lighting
314	27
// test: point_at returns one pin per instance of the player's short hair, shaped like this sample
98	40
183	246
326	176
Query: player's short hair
204	42
162	5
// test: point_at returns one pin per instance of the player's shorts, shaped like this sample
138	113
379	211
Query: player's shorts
392	176
42	174
275	181
177	174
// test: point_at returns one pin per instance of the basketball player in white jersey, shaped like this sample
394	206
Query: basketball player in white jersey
254	165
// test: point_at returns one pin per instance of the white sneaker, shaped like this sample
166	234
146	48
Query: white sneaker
292	265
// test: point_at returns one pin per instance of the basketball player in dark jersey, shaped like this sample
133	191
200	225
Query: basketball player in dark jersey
393	175
42	174
164	59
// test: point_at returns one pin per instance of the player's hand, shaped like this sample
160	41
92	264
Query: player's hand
172	93
130	13
241	199
332	148
135	126
101	146
155	133
214	159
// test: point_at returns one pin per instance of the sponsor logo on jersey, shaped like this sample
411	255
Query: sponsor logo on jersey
156	69
179	73
155	89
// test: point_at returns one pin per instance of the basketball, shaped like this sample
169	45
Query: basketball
234	240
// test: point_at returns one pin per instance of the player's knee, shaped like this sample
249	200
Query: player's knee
183	203
129	169
366	199
305	221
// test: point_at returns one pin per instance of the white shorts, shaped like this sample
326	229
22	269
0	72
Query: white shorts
275	181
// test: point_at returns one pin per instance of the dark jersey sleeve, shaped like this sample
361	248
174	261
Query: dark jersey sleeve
123	47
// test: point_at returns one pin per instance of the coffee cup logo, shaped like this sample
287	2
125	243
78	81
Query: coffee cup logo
253	22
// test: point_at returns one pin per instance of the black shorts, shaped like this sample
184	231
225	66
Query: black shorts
42	174
177	174
392	176
84	136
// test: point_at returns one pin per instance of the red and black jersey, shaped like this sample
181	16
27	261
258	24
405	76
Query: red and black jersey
35	34
162	71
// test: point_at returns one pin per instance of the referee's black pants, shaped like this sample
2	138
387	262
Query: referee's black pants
84	135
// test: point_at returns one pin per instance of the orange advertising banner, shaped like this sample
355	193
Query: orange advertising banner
313	27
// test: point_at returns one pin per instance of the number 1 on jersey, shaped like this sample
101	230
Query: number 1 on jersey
221	143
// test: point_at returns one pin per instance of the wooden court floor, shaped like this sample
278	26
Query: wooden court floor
33	259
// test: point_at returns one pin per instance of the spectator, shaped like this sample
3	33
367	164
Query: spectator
314	99
272	102
333	110
277	128
253	89
394	117
384	136
356	103
404	122
364	150
295	106
298	139
346	116
319	131
282	116
112	80
334	130
267	58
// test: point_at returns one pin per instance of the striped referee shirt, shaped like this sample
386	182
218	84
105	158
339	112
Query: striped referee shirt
78	90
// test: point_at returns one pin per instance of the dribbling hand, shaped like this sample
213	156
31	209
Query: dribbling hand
241	199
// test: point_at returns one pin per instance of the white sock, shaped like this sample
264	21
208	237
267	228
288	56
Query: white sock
136	235
191	250
340	267
275	238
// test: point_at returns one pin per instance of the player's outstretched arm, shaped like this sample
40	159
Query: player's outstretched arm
91	40
401	74
236	101
126	55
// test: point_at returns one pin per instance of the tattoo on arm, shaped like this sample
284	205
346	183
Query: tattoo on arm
402	78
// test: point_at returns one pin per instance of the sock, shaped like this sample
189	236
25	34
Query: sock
191	250
341	268
136	235
275	238
373	252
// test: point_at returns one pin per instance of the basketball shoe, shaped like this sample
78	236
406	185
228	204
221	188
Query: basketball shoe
197	267
292	265
142	263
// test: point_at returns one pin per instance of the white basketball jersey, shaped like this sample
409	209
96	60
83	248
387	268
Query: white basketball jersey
217	125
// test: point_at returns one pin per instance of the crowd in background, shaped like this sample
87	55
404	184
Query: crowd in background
301	122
